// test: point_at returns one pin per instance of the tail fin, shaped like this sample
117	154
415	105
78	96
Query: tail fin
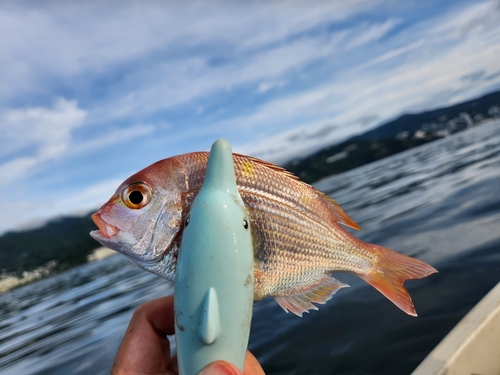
389	273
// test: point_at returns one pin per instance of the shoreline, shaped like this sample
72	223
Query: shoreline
11	282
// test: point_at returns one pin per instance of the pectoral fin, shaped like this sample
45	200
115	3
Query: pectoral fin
318	293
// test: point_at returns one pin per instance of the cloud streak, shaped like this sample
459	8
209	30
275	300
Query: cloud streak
46	133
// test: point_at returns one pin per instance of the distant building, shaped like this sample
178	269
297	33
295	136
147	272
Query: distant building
443	133
403	135
494	111
352	147
479	117
338	156
419	134
456	124
466	117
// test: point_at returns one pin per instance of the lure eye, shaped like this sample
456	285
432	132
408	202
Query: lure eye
137	195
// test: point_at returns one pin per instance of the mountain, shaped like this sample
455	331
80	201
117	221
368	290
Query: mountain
407	131
414	122
65	240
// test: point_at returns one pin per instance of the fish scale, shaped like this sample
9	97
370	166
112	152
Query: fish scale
305	246
298	239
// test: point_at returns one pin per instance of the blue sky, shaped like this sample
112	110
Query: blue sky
91	92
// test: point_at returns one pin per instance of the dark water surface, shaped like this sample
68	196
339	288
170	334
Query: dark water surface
439	203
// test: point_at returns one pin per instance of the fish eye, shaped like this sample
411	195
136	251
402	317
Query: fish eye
245	223
137	195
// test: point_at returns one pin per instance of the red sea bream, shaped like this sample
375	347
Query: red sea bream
297	237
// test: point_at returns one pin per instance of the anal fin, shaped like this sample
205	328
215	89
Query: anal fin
320	292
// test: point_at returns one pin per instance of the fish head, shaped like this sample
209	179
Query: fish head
144	215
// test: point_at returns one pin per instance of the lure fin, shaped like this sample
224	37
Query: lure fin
389	273
343	218
318	293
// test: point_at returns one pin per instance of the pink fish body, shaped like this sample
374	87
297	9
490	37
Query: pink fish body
297	237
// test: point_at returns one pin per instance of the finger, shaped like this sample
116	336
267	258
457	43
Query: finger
160	313
252	366
220	368
174	366
145	348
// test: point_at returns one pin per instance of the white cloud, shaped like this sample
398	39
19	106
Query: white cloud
88	197
427	75
166	51
33	135
474	19
113	137
32	212
172	83
95	38
266	86
391	54
370	33
15	169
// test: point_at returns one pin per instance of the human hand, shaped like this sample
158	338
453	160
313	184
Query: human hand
145	348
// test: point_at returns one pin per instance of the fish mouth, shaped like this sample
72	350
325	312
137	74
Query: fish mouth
105	229
104	234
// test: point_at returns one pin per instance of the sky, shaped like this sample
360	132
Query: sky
91	92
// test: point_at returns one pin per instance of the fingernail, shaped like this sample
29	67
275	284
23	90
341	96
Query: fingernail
220	368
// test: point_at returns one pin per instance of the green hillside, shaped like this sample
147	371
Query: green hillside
65	240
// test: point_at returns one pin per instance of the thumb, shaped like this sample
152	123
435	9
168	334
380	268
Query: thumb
220	368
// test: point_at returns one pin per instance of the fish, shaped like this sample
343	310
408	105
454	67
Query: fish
297	232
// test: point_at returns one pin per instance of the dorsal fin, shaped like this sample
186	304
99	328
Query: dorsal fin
343	218
269	165
340	213
320	292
